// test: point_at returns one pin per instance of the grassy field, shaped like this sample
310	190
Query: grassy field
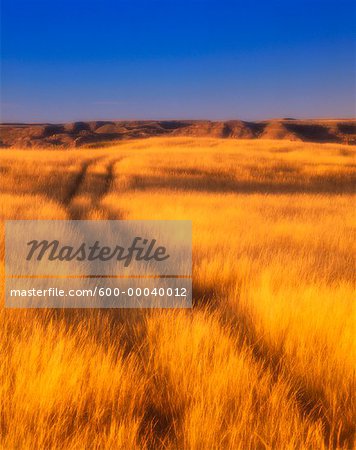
266	357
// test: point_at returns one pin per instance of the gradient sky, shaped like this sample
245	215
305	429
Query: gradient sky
68	60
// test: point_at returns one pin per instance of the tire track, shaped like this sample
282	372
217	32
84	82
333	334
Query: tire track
78	181
311	404
92	188
104	189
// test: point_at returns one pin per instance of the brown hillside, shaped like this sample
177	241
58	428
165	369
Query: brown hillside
98	133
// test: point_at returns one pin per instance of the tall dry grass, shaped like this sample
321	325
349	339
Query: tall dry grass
264	360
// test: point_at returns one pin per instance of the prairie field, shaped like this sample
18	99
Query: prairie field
265	359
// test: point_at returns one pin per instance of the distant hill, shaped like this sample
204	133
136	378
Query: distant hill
96	133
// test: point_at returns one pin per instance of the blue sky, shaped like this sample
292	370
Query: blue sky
68	60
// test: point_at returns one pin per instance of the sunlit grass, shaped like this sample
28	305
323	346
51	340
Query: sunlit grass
265	359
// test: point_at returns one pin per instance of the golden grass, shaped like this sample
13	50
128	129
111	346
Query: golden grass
264	360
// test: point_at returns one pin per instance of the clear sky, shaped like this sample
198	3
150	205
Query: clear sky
66	60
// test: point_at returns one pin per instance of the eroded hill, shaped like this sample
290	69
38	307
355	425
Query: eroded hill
98	133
